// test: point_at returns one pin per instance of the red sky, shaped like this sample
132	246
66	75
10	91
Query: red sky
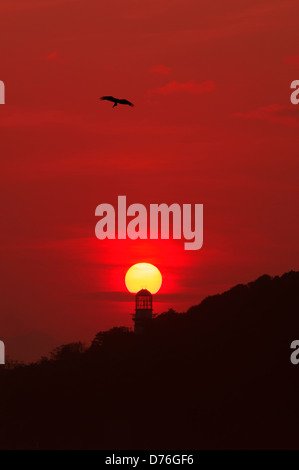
212	124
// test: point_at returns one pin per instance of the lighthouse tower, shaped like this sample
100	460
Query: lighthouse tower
143	310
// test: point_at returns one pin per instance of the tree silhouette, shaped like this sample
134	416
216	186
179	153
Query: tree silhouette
218	376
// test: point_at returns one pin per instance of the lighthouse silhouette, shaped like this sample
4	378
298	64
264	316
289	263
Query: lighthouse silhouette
143	310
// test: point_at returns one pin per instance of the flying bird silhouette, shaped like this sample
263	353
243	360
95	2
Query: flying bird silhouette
116	101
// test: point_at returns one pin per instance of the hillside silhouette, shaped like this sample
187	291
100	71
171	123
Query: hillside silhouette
216	377
30	346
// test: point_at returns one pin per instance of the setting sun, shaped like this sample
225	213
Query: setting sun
143	276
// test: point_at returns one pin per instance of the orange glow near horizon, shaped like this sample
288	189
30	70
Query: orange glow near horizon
143	276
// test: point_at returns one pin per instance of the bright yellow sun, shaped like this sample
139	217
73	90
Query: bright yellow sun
143	276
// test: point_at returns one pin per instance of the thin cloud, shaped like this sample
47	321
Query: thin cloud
190	87
119	296
13	5
160	69
287	115
53	57
292	60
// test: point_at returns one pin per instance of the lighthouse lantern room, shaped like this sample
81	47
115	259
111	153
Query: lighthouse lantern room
143	310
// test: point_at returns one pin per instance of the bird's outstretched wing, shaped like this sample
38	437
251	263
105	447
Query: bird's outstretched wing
125	102
108	98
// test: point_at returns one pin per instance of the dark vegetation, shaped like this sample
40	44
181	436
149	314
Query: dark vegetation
218	376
